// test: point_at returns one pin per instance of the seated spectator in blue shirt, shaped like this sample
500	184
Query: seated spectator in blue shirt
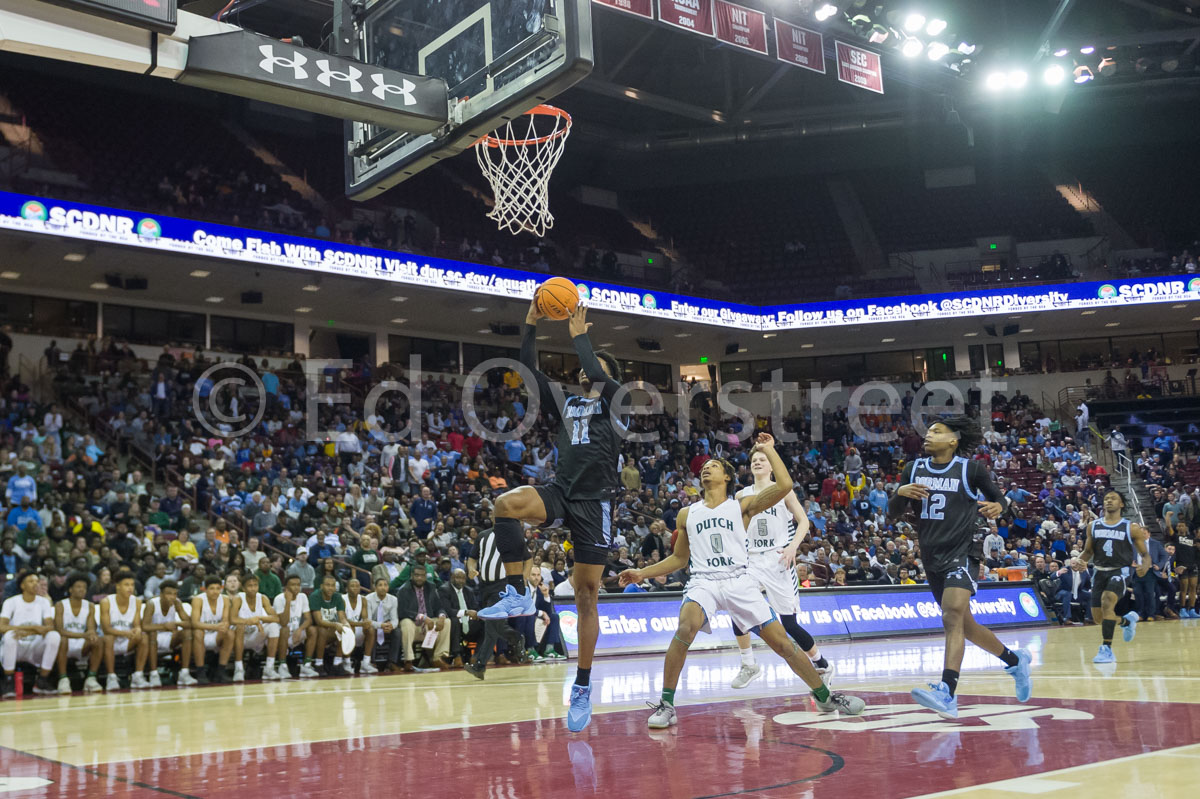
22	515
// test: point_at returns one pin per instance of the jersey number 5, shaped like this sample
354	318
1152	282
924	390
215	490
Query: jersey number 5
579	431
931	507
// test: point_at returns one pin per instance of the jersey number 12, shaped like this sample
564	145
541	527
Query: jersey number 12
579	431
931	507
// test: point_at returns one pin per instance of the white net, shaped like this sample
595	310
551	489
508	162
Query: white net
517	161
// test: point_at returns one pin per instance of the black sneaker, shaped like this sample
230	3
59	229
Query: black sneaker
44	687
475	671
201	677
340	670
222	675
10	688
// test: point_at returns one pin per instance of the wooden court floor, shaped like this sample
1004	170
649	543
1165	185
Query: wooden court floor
1132	729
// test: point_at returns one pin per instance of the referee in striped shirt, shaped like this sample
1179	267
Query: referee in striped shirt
485	559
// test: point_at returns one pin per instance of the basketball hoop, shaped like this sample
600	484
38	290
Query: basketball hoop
518	165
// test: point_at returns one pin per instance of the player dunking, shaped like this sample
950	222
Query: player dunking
1110	545
953	492
713	544
772	552
589	442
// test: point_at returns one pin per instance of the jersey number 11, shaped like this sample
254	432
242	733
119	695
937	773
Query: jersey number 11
579	431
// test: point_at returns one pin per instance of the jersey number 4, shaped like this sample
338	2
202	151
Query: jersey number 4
1108	548
932	505
579	431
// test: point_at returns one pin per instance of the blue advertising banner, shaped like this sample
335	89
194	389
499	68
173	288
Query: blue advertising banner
36	215
647	622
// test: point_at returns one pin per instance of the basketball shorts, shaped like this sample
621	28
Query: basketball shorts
253	640
777	581
1115	580
162	639
589	520
32	650
956	574
121	646
1190	571
737	595
75	648
210	640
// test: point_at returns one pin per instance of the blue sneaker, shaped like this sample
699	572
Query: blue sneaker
579	714
1131	629
1189	614
510	605
1020	675
1105	655
937	697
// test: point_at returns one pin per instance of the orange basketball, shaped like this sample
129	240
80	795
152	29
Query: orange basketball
557	298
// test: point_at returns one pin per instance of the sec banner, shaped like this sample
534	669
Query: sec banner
692	15
740	26
859	67
799	47
640	8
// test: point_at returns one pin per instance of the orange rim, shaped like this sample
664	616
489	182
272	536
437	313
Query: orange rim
492	140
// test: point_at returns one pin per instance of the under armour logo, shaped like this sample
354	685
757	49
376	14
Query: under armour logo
382	90
351	76
295	63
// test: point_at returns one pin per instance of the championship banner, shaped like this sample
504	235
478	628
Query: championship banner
859	67
28	215
639	8
647	622
799	47
692	15
740	26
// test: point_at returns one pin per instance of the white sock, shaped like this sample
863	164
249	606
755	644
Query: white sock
337	661
184	671
748	656
270	663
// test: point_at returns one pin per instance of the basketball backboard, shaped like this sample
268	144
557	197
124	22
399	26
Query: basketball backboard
499	58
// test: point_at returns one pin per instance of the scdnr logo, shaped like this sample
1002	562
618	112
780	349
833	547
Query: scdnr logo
1107	291
1194	284
1028	604
568	625
35	211
914	718
149	228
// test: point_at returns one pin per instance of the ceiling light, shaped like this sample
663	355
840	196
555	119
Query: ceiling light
912	48
914	22
74	257
484	331
935	26
1017	78
543	338
743	349
479	309
621	327
631	94
1196	318
303	309
770	335
807	346
966	48
1086	313
1176	307
399	298
399	320
312	287
1108	67
825	12
682	335
1087	50
1060	52
199	273
887	340
1170	63
10	275
609	344
970	335
99	286
214	299
937	50
1112	324
1027	330
1054	75
996	81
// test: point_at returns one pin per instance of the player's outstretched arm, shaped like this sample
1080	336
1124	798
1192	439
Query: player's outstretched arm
578	327
529	360
754	504
679	558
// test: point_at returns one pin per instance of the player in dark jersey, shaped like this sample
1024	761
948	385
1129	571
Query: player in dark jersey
1110	545
1185	567
953	491
585	482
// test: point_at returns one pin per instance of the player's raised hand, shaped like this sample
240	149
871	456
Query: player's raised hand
762	441
578	325
990	510
630	577
913	491
534	314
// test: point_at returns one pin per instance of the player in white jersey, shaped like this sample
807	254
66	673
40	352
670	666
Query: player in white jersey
256	627
713	545
165	622
772	548
28	635
210	629
76	626
292	608
121	622
356	617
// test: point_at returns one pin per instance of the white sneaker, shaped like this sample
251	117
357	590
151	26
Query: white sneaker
307	671
367	668
155	679
64	685
662	717
112	684
282	672
138	681
843	704
239	672
270	673
91	685
185	678
747	674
